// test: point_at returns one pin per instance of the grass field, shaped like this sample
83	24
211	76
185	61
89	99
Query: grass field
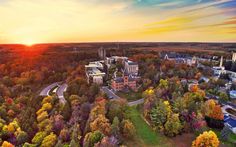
130	96
145	135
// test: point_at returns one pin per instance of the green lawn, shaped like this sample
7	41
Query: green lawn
130	96
144	131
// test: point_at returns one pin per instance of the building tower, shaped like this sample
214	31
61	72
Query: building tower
221	61
234	57
102	53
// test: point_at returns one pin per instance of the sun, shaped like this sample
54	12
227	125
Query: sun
28	42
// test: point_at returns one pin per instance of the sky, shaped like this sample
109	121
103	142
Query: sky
55	21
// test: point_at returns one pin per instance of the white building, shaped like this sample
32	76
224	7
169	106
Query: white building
131	67
94	72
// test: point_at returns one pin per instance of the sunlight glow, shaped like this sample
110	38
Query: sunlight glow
28	42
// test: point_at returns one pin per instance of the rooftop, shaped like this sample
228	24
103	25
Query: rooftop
131	62
94	71
96	64
230	121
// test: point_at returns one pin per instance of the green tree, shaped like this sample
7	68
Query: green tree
173	125
22	137
29	145
223	97
178	105
73	143
116	108
115	127
59	143
160	113
66	112
91	138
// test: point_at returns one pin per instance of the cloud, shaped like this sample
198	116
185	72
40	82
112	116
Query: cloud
106	20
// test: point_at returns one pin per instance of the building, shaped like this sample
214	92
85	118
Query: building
218	70
180	58
113	60
94	72
229	117
234	57
102	53
131	67
232	94
120	83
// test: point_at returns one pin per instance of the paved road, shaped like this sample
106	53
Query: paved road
140	101
46	90
60	92
109	93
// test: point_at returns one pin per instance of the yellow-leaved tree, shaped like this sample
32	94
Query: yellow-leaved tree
206	139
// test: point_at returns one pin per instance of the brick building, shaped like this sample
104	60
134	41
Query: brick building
120	83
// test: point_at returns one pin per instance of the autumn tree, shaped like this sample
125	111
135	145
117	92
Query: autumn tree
213	110
128	129
49	141
102	124
107	142
149	101
42	116
7	144
206	139
116	108
38	138
65	135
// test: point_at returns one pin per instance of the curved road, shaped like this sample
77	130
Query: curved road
63	87
46	90
59	92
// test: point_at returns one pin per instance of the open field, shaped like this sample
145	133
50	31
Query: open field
145	135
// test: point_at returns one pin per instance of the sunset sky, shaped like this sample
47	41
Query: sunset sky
43	21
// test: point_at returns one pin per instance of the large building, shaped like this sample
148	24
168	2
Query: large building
180	58
120	83
94	72
131	67
114	59
234	57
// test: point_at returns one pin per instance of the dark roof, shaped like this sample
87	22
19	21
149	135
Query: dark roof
131	79
119	79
